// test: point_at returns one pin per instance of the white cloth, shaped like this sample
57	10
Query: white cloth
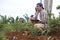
38	17
39	25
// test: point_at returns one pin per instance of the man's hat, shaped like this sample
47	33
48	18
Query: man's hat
40	4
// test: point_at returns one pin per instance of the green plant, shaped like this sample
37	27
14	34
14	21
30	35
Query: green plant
31	28
53	23
58	7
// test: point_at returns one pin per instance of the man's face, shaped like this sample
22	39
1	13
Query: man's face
38	8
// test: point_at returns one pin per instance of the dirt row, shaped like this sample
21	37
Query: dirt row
21	36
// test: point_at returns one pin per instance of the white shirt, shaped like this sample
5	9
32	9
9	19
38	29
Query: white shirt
38	17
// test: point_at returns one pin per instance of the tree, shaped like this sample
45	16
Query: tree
22	20
17	18
58	7
26	17
4	19
11	20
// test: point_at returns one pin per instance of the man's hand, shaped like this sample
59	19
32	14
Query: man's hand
35	9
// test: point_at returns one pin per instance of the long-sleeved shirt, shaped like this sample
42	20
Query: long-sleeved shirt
43	16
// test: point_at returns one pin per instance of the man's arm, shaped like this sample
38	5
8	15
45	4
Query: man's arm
45	17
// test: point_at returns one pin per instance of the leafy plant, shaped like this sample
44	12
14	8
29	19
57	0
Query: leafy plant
32	29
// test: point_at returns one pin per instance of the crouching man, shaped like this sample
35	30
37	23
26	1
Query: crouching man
41	16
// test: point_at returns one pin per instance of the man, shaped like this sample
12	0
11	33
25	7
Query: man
41	15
